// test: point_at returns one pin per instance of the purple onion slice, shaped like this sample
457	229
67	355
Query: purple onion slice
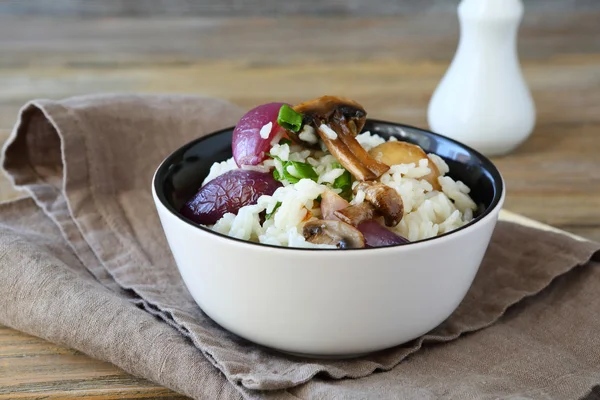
377	235
228	193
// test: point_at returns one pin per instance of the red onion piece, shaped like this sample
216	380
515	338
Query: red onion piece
377	235
248	147
228	193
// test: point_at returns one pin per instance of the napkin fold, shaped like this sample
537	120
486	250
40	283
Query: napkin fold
84	263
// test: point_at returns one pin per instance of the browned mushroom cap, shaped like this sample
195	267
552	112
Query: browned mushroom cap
345	118
385	200
392	153
322	109
337	233
357	214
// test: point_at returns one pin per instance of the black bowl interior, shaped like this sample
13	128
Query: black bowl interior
182	173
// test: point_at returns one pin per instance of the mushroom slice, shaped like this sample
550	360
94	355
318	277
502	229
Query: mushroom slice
338	121
385	199
330	203
337	233
392	153
357	214
348	160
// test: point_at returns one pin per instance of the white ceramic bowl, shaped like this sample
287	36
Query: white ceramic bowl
327	303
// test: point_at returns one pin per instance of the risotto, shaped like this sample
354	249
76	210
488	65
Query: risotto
308	177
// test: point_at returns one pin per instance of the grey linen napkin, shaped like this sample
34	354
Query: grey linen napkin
84	263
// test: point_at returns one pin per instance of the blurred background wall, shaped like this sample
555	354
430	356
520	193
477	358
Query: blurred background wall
141	8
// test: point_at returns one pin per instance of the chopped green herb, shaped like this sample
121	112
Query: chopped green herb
285	141
276	174
343	182
303	170
270	215
289	177
289	119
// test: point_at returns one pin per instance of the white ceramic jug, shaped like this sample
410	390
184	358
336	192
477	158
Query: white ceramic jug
483	99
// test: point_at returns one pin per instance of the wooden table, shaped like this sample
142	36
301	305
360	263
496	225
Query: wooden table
391	65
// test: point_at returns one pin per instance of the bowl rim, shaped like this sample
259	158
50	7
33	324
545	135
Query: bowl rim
497	200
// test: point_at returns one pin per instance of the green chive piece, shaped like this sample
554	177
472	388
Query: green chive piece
285	141
286	174
289	177
304	170
289	119
343	182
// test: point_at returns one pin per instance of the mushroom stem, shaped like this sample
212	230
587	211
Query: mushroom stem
364	158
342	153
346	118
357	214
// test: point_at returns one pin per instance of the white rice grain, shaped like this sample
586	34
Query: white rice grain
331	176
265	131
368	141
299	156
292	171
330	133
258	168
281	150
308	135
439	163
359	197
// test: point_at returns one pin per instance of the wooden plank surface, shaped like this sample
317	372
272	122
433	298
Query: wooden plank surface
31	367
391	65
